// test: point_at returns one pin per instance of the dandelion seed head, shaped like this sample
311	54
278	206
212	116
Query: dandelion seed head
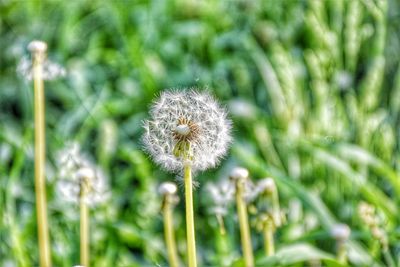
86	173
341	232
221	195
239	173
37	46
75	168
266	185
167	188
51	70
187	116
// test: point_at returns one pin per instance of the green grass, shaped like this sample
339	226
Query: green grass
314	93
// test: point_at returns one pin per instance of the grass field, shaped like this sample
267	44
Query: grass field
312	88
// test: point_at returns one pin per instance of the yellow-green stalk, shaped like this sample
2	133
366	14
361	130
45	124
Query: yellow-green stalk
38	50
86	175
183	149
271	214
191	242
168	190
240	175
268	232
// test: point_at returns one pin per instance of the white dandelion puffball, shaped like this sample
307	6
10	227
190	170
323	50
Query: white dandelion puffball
75	168
239	173
167	188
266	185
341	231
51	70
221	195
187	116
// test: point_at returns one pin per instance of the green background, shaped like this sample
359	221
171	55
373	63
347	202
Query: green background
313	89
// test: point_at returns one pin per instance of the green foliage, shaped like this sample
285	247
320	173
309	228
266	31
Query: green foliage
313	88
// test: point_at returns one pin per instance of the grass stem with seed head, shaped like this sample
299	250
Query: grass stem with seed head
38	50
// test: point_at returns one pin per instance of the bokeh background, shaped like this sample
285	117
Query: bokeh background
313	89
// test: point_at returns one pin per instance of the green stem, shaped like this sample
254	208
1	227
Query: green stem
268	232
169	233
341	252
191	242
388	257
84	226
40	157
244	225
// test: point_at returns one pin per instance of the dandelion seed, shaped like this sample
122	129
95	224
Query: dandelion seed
180	119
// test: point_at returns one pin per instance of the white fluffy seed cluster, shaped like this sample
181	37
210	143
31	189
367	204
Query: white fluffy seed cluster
200	108
221	195
341	232
51	70
167	188
74	168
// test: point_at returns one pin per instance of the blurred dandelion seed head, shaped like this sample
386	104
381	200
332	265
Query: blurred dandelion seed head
266	185
341	232
50	70
221	195
37	46
74	169
167	188
239	173
187	116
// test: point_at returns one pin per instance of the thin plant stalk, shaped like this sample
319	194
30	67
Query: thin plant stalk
244	225
84	226
221	224
191	242
268	233
169	233
388	257
40	157
341	252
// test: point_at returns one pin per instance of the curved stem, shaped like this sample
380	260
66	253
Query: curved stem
84	226
244	225
191	242
40	157
269	245
169	233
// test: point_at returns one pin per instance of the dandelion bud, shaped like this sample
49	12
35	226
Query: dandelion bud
341	232
167	188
